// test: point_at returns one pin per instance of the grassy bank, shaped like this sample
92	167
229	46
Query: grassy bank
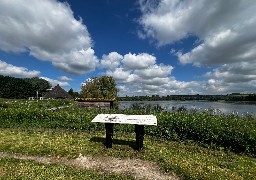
186	159
195	145
228	131
22	169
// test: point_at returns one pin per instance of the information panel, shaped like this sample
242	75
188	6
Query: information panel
126	119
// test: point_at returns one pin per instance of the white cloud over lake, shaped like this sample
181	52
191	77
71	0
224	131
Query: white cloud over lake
225	38
140	74
48	31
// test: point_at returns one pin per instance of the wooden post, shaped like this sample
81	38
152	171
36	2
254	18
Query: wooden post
111	104
109	134
139	130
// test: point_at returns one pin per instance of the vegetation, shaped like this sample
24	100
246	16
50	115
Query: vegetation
187	159
100	87
72	93
195	145
230	131
22	169
22	88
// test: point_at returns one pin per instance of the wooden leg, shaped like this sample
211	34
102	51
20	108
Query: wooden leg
139	130
109	134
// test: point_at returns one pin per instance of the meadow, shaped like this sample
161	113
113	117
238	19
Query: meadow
193	145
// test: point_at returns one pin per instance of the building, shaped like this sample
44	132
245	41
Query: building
57	93
96	103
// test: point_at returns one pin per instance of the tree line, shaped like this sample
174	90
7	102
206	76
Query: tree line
22	88
99	87
228	97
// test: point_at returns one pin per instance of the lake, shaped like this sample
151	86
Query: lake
239	108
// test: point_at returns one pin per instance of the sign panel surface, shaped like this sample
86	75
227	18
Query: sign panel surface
126	119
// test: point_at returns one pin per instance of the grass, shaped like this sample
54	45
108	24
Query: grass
187	159
194	145
22	169
230	131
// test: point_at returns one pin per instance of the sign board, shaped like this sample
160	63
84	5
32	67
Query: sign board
126	119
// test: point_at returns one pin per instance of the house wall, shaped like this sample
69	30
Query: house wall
95	104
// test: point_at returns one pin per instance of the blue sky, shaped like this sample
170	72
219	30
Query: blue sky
149	46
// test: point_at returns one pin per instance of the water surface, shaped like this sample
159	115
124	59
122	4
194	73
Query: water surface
239	108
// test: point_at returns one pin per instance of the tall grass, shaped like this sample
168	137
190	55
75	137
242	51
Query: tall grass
228	131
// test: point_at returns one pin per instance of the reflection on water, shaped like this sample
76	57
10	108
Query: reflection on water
221	107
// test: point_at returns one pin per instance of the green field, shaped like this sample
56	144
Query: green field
193	145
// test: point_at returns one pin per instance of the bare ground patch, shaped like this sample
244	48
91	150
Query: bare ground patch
138	168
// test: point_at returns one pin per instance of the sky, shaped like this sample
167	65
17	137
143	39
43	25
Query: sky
164	47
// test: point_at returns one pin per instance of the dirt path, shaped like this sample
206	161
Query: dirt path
138	168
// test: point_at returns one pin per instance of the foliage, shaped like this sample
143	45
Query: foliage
22	88
38	84
229	131
100	87
72	93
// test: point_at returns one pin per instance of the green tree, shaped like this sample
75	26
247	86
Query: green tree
12	87
71	92
99	87
39	85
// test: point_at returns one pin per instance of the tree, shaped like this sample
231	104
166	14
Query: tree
71	92
99	87
39	85
12	87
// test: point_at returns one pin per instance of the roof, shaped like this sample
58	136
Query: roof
58	93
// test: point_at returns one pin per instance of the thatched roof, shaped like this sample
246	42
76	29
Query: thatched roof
57	93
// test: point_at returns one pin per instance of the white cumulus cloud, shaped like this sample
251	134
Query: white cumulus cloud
54	82
138	61
48	31
154	71
11	70
140	74
65	78
111	61
225	33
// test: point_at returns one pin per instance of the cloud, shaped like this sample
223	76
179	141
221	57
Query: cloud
237	72
48	31
219	86
236	77
139	74
155	70
119	74
78	62
140	61
54	82
15	71
111	61
65	78
224	33
225	30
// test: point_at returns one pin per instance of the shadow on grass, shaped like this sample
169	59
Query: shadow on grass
131	144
